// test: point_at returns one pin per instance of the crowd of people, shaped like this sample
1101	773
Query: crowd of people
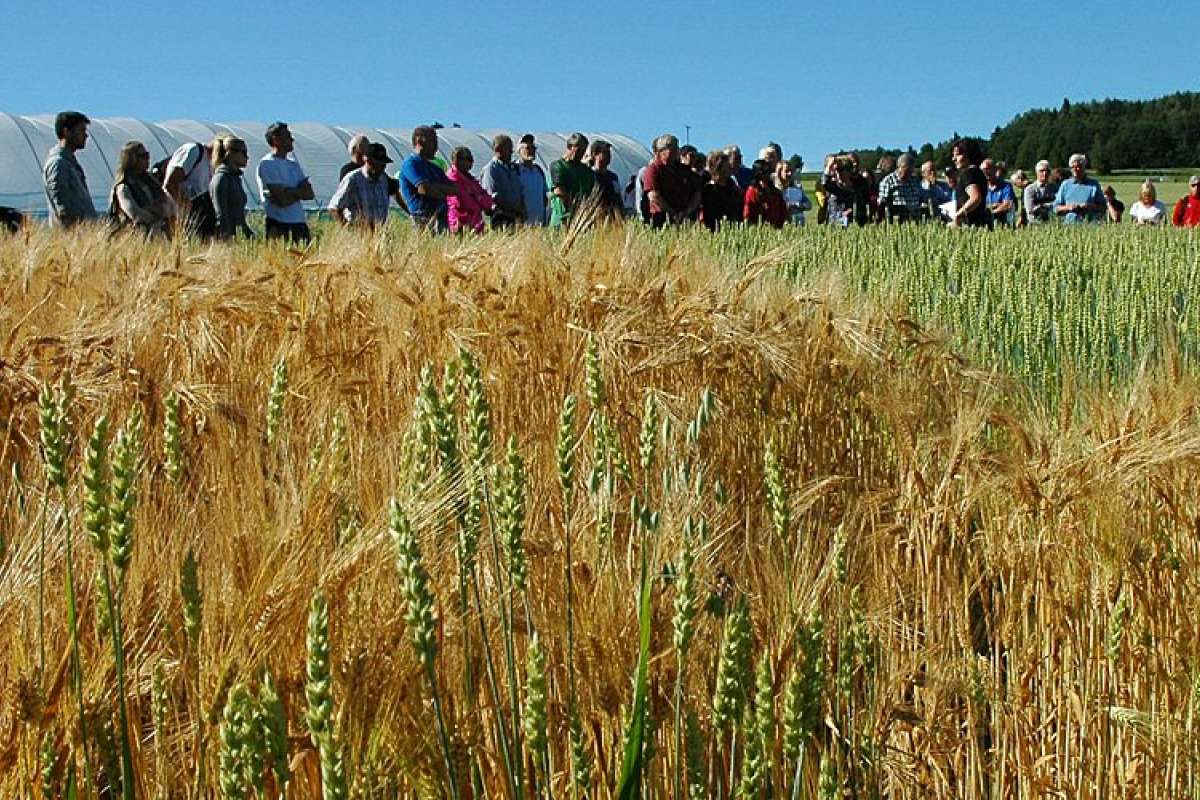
199	188
977	191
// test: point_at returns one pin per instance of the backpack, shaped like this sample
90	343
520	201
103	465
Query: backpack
159	170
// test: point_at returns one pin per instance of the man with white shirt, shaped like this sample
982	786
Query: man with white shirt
1039	196
283	187
188	174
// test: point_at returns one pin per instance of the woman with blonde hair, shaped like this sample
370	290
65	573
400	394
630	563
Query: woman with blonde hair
137	199
229	158
1148	210
793	194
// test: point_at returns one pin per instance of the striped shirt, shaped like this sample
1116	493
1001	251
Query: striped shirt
365	198
901	193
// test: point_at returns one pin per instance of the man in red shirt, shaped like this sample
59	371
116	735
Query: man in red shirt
1187	210
672	189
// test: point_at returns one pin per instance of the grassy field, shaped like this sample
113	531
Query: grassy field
882	513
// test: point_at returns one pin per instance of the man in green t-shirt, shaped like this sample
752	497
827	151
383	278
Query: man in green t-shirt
571	181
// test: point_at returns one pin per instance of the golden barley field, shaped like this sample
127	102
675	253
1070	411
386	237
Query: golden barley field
602	515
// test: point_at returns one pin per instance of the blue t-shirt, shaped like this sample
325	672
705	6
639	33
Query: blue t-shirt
998	195
1001	193
939	192
413	172
1086	191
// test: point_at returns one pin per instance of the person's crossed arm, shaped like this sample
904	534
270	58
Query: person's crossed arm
282	195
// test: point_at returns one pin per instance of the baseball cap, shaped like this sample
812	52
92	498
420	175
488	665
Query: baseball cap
377	152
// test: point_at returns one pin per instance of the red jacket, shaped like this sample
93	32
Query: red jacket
764	206
1187	212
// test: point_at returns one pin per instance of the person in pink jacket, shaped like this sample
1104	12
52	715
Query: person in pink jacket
465	210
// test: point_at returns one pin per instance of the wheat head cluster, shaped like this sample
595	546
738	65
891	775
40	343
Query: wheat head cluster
603	515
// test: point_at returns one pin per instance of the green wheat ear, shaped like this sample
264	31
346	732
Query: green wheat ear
193	601
777	493
565	451
479	420
535	719
1117	622
687	601
648	434
160	701
419	618
511	514
581	762
52	436
272	720
96	487
234	759
754	766
318	690
414	585
805	689
732	670
764	708
124	499
318	687
173	438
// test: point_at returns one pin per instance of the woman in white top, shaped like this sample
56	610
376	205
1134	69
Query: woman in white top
1147	210
797	201
138	199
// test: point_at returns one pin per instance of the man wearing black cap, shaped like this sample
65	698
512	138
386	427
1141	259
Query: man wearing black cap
363	195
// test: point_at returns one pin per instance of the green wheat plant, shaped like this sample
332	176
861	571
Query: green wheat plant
173	438
318	690
419	617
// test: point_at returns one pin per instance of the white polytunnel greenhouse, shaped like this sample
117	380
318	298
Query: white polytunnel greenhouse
320	149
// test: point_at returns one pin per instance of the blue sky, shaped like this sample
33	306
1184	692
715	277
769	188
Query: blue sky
815	77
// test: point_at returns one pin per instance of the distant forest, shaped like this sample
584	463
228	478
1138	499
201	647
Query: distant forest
1115	134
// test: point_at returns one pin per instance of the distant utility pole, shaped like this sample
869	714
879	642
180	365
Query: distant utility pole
687	134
